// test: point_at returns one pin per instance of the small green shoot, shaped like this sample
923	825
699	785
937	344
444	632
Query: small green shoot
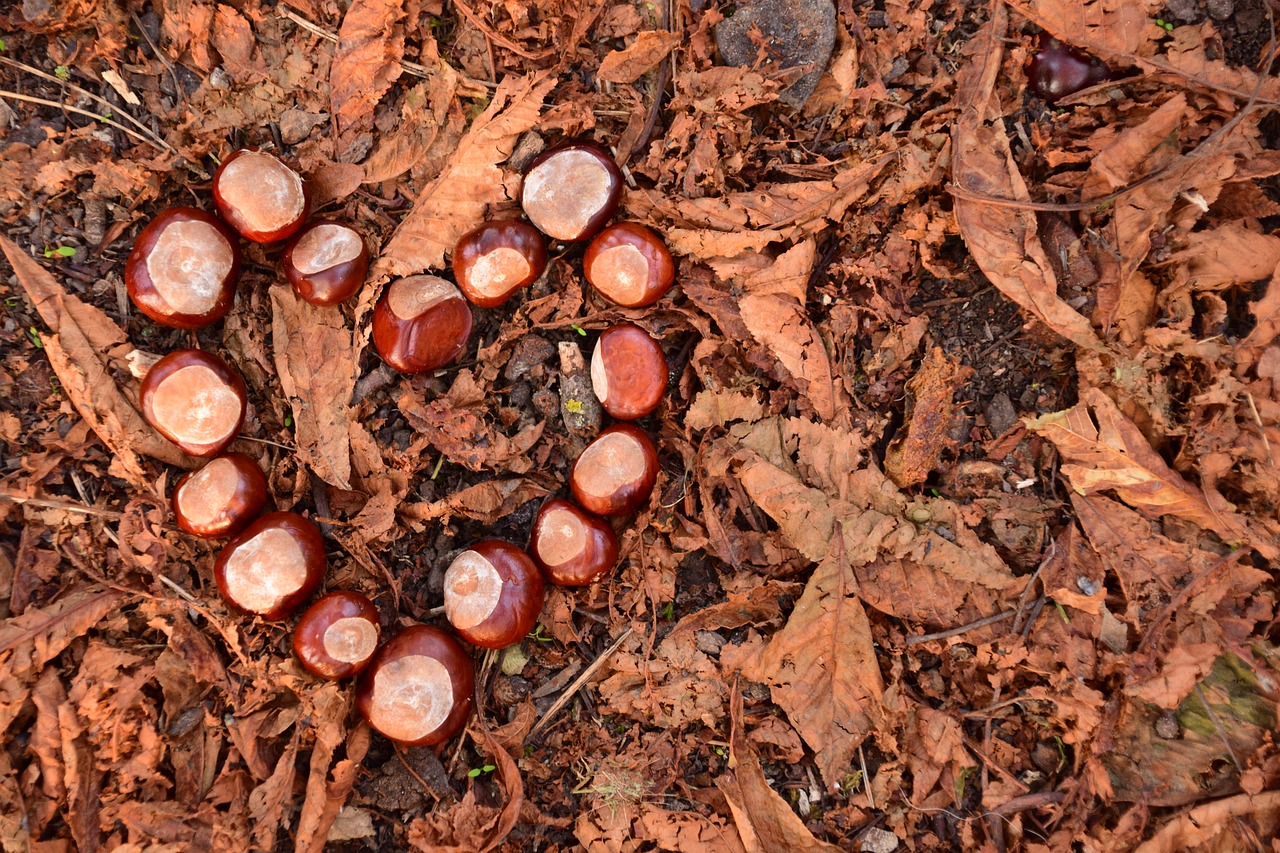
34	334
536	634
476	772
1164	25
669	611
62	72
3	46
60	252
1062	754
581	331
965	773
288	420
435	472
1062	611
851	782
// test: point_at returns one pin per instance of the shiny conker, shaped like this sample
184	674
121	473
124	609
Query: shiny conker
570	545
629	265
628	372
492	262
183	269
571	190
195	400
493	594
337	636
1057	71
221	497
421	323
616	472
272	566
418	688
325	262
259	196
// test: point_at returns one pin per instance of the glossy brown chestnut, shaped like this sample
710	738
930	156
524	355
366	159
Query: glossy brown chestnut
1057	70
420	323
272	566
616	472
183	269
492	262
325	262
337	636
570	545
220	498
628	372
571	190
195	400
493	594
418	688
629	265
259	196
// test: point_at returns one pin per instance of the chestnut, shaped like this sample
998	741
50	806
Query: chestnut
628	372
325	262
195	400
493	594
418	688
259	196
571	190
420	323
616	472
337	636
629	265
570	545
272	566
1057	71
183	269
220	498
492	262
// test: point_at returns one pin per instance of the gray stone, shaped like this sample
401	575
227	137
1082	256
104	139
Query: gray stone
797	32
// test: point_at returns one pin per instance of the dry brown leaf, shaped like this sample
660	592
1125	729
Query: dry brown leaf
457	425
312	346
765	821
235	42
649	48
485	502
456	201
77	349
326	791
912	456
1113	455
1004	241
270	803
670	687
1267	313
773	310
1104	25
365	64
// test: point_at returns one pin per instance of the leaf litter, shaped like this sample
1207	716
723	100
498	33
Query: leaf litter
967	514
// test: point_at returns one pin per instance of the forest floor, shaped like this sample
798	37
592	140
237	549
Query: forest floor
968	507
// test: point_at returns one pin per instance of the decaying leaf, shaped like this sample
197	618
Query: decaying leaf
649	48
911	457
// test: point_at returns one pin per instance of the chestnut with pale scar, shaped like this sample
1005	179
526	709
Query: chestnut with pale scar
616	472
337	635
418	688
195	400
571	190
259	196
272	566
492	593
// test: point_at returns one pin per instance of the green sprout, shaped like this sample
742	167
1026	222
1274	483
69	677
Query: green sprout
669	611
536	634
60	252
34	334
578	329
288	420
62	72
1164	25
475	772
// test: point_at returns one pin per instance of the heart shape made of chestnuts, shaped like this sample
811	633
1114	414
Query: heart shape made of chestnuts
416	688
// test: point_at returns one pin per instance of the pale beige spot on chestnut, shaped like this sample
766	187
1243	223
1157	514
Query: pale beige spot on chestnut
562	193
409	297
205	497
494	273
472	587
267	194
188	264
621	273
412	697
608	464
561	536
265	570
350	639
196	405
325	247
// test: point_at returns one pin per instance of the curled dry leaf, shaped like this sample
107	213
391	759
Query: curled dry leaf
649	48
912	456
365	64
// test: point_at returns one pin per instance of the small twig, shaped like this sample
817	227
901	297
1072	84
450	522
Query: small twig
161	145
951	632
1027	802
1261	429
489	32
866	777
69	506
578	682
1217	724
36	72
159	54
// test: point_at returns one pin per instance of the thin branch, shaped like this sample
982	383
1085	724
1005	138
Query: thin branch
161	145
577	683
951	632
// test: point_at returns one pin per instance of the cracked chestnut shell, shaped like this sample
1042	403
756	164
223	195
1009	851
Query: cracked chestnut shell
325	262
260	196
183	268
571	190
195	400
570	545
616	472
421	323
628	372
629	265
492	262
221	497
337	636
272	566
418	688
493	594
